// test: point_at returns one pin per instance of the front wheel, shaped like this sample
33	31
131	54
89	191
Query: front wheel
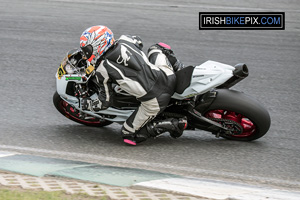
71	113
247	114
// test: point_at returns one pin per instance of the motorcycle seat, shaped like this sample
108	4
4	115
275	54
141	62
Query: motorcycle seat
183	78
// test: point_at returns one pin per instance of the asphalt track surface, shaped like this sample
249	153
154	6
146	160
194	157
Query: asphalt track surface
36	34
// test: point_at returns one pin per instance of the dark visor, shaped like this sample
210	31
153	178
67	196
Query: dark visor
87	50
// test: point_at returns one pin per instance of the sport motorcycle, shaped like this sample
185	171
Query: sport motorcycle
202	96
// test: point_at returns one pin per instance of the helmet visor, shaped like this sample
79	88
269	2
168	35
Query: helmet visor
87	50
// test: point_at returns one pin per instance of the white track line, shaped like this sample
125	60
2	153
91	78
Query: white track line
6	154
219	189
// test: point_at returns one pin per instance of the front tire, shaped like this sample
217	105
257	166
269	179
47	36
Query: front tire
71	113
240	108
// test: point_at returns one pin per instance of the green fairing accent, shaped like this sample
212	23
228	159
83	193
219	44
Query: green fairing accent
73	78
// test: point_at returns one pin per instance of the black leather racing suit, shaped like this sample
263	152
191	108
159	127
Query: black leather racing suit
127	65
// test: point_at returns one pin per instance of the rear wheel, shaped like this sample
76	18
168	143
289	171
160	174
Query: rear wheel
71	113
247	119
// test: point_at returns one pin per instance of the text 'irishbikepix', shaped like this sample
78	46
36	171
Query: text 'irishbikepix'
241	20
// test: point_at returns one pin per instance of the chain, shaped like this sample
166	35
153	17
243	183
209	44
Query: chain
233	127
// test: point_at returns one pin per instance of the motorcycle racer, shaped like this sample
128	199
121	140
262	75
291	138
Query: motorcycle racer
150	79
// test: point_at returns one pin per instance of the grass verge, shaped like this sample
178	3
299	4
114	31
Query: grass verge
8	193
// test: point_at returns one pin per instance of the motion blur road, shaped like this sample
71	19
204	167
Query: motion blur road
36	34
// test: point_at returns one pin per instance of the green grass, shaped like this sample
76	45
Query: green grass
20	194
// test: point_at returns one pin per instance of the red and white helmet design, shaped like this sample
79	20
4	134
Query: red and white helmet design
95	41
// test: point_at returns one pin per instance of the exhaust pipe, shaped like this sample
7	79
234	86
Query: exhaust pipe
241	71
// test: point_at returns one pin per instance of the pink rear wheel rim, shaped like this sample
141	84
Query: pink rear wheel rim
249	127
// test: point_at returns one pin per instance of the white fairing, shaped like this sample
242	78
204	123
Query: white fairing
61	87
205	77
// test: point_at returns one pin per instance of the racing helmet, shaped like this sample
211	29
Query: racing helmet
95	41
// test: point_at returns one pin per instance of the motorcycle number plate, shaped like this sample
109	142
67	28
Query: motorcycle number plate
60	72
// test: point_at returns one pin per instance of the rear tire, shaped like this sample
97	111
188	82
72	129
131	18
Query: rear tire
68	111
238	107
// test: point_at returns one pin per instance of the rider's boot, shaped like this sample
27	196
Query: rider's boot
174	126
134	138
155	50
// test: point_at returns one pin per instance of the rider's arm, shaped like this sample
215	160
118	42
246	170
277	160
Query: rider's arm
105	86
